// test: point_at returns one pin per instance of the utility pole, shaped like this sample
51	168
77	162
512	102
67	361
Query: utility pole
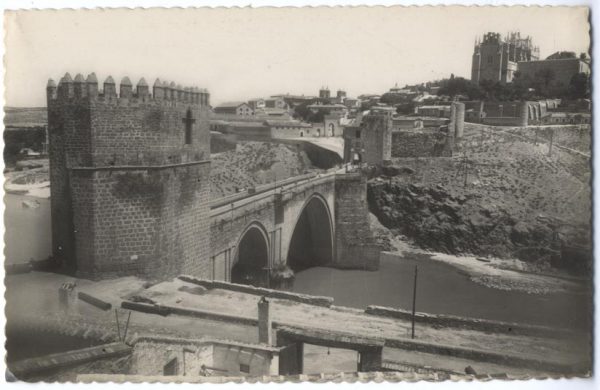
118	327
414	302
466	167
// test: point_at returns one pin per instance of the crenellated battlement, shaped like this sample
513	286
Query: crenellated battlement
130	176
69	89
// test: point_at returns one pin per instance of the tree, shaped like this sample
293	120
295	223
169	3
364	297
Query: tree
455	86
579	87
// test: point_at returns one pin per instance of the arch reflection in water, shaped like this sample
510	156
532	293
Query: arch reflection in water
251	261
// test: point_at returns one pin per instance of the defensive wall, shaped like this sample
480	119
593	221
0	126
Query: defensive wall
378	138
129	177
521	113
421	143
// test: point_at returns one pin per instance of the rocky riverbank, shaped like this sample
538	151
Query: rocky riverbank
436	220
499	196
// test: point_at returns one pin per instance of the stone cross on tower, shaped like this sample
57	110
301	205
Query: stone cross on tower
189	122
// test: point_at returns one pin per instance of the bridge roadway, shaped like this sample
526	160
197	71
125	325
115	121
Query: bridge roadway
248	196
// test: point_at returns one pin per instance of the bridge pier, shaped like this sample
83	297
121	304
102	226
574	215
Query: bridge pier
355	246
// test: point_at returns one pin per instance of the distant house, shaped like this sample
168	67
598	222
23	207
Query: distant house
273	112
330	108
276	102
437	111
289	128
256	103
237	108
30	153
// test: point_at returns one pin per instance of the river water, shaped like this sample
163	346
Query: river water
28	233
441	288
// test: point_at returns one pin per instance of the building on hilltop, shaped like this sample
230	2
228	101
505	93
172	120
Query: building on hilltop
497	59
560	70
130	180
236	108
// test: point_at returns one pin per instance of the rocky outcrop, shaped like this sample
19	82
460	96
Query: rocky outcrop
434	219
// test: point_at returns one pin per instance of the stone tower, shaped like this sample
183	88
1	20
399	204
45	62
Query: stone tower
496	59
324	93
130	177
377	129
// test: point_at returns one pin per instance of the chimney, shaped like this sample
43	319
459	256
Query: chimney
265	335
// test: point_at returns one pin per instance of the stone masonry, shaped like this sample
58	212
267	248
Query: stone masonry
130	177
130	191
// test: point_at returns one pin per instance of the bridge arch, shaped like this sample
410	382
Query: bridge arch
252	256
311	242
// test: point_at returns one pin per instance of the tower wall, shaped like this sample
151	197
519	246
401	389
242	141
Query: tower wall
130	179
457	120
377	129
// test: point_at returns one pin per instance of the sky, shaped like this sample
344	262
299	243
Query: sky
244	53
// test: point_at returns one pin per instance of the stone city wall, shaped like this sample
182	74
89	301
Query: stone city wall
421	144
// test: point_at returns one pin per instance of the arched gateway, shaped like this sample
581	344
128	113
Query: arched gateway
251	261
312	240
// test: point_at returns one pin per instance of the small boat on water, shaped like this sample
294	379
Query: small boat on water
30	204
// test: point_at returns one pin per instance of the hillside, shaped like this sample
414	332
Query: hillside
25	116
502	194
254	163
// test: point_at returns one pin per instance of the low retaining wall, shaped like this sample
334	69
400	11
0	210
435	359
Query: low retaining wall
485	356
504	121
345	377
164	310
69	358
266	292
467	323
99	303
405	344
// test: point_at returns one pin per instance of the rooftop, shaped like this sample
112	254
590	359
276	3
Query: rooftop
230	104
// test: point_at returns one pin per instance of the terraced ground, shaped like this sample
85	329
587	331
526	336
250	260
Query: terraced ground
255	163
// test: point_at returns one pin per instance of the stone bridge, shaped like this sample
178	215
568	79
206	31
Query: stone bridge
309	220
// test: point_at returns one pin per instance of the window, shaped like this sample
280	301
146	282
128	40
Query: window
490	59
357	134
171	367
245	368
